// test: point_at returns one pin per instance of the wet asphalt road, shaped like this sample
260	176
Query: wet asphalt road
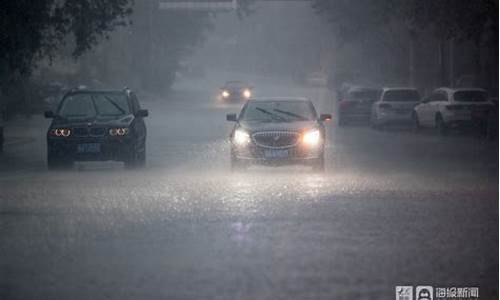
393	208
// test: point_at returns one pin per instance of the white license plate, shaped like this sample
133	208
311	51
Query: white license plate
276	153
89	148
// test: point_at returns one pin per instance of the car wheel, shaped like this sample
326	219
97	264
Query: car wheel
237	164
319	164
416	122
137	159
57	163
441	127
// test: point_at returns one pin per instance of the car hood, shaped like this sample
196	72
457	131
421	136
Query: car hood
298	126
122	121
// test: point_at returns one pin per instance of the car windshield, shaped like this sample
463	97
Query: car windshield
401	95
88	105
470	96
364	94
235	85
278	111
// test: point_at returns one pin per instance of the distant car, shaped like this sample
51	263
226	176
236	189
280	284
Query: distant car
275	131
356	104
97	125
395	105
235	91
448	108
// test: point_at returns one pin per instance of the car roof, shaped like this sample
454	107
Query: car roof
269	99
75	91
452	90
385	89
235	82
363	88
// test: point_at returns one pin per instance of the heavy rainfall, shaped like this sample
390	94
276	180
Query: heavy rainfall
246	149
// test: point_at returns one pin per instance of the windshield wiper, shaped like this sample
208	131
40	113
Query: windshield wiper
274	116
122	111
291	114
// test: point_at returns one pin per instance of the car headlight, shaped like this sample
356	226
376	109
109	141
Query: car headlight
311	138
247	93
225	94
118	131
60	132
241	137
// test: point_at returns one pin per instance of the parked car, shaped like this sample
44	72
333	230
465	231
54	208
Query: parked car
276	131
395	105
356	104
449	108
97	125
235	91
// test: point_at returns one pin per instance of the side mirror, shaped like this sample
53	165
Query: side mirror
49	114
325	117
142	113
231	117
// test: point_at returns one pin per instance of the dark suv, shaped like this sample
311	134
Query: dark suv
277	131
97	125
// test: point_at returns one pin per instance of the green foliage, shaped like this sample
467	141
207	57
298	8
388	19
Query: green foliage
468	20
31	30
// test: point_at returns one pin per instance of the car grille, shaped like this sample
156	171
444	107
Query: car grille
276	139
85	131
97	131
80	131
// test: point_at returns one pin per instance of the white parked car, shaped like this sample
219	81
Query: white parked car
448	108
395	105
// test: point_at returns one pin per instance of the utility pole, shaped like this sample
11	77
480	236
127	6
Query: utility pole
451	62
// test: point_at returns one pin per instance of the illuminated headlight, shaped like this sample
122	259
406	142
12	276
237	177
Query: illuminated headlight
241	137
61	132
247	93
311	138
225	94
118	131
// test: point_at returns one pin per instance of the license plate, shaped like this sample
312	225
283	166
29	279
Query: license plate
276	153
89	148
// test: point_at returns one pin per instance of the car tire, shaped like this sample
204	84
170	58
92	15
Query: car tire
319	164
57	163
441	127
416	123
137	159
237	164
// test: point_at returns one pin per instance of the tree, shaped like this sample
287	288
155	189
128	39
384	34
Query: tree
444	19
32	30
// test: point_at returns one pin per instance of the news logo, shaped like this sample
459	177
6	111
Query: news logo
424	293
404	292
